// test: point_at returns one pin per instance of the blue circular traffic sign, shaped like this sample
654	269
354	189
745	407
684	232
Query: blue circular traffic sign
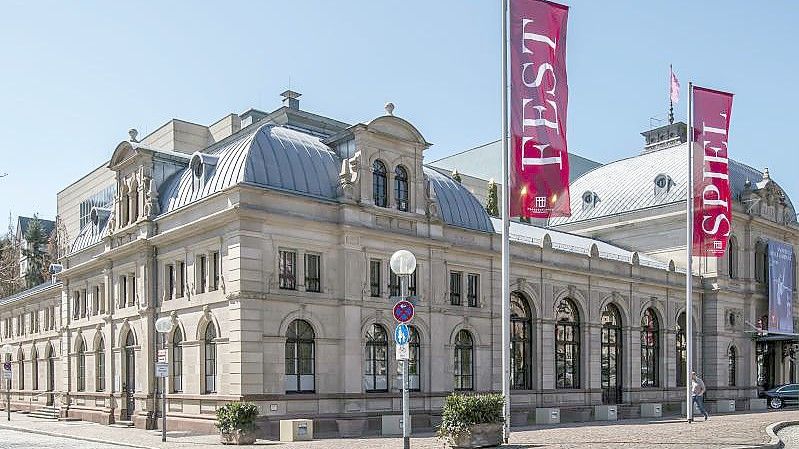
403	311
402	334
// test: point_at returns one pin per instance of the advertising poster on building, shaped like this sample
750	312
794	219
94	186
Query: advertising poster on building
780	287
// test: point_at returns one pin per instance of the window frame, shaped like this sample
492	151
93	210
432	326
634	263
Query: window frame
375	278
287	269
373	345
295	341
379	183
313	278
568	350
455	288
473	290
401	191
650	349
463	381
210	371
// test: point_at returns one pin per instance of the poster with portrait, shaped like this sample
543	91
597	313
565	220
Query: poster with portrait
780	287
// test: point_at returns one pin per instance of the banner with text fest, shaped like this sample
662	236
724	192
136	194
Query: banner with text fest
539	171
712	200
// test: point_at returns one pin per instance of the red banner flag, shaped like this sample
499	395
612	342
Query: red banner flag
539	170
712	110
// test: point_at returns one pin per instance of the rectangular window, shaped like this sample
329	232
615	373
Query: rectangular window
95	300
375	278
123	291
215	270
394	284
52	318
455	278
313	273
169	286
288	270
84	303
473	290
181	268
132	291
200	273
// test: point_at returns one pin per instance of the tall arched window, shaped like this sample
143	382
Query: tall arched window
177	361
610	354
34	368
401	187
379	184
464	361
210	359
49	354
650	349
567	345
732	355
81	366
520	343
732	257
413	361
375	375
682	357
300	358
761	262
21	382
99	372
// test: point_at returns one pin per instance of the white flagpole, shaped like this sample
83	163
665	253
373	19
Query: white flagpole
689	216
505	230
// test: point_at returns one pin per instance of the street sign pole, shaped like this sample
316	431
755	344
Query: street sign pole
163	401
406	414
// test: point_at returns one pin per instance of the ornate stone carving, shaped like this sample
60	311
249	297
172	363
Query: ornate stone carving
151	208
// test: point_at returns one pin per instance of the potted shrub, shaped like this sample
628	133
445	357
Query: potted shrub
471	421
236	422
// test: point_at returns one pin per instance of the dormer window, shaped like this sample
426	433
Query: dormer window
201	166
401	187
663	184
590	199
379	184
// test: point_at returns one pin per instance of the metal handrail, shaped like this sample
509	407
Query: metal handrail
44	393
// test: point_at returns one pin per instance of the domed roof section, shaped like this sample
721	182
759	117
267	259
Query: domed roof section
273	156
458	207
647	180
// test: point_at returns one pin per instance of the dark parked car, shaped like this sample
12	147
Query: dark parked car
782	395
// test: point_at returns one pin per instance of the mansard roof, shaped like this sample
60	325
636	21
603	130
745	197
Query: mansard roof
31	291
628	184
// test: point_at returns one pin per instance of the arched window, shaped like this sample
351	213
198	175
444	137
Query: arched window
682	357
520	343
732	257
375	375
99	373
401	187
49	354
379	184
413	361
177	361
732	355
567	345
464	361
761	262
610	354
210	359
21	382
34	369
300	358
81	366
650	349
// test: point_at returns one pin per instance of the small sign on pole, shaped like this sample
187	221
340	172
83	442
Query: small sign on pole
403	311
402	334
161	369
162	355
403	352
6	374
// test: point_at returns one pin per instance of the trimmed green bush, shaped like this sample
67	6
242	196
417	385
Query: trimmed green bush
462	411
236	416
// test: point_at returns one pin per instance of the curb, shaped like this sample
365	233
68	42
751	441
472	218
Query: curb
771	431
72	437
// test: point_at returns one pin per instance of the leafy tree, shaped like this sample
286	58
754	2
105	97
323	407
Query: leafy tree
9	265
492	203
456	176
36	253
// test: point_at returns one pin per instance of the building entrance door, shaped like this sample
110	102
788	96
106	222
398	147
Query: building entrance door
766	366
130	378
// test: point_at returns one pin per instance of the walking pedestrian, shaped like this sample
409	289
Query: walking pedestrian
697	393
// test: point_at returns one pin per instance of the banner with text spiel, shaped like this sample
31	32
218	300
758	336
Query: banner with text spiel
539	170
780	287
712	200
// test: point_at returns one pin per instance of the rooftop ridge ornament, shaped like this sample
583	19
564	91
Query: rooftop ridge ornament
389	108
133	133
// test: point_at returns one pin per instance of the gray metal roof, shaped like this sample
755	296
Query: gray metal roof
629	184
564	241
23	223
458	207
90	234
25	293
273	156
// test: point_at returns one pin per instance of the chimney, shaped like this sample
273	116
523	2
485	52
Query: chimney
290	99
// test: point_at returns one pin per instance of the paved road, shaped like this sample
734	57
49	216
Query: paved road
790	436
11	439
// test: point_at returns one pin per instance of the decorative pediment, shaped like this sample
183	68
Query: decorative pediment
397	127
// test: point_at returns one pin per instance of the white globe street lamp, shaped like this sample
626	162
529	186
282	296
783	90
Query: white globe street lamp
163	325
403	262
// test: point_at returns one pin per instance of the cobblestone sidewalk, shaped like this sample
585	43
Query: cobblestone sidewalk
724	431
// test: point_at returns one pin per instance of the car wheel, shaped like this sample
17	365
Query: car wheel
775	403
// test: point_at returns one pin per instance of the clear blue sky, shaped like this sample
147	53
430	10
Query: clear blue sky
76	76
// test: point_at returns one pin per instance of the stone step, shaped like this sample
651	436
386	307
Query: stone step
46	413
122	424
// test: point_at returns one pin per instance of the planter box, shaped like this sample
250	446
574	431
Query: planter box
606	413
238	437
549	415
296	430
757	404
480	435
653	410
351	428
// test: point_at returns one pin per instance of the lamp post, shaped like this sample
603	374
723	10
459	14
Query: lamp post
403	264
8	349
163	325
